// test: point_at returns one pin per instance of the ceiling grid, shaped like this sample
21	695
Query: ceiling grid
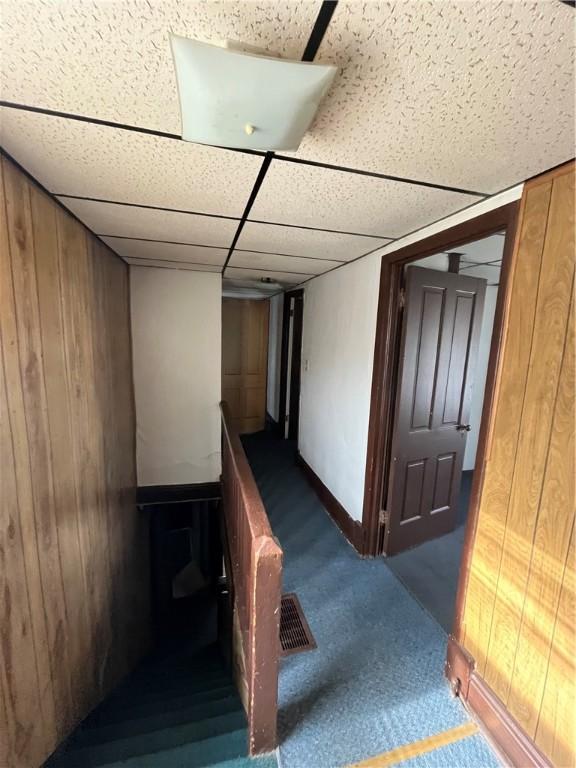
436	106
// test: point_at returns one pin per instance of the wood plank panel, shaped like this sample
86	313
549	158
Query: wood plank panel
519	616
547	349
556	730
520	313
549	555
21	495
73	547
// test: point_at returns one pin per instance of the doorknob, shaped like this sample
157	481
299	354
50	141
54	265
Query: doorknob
463	427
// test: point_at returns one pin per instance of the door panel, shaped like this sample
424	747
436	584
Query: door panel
244	361
439	345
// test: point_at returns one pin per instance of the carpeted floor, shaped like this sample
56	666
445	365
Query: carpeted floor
376	680
430	571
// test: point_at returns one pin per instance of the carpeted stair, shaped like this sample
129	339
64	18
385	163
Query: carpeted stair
179	709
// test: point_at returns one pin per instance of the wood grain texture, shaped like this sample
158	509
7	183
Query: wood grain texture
541	386
245	361
503	432
518	622
69	575
255	577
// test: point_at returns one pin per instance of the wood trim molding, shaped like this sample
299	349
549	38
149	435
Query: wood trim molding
502	730
498	330
175	494
386	362
458	668
350	528
284	373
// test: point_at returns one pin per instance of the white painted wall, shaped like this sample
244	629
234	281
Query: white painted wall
274	352
176	337
480	376
337	354
338	347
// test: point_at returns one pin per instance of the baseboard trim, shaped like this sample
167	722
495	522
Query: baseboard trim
176	494
501	728
350	528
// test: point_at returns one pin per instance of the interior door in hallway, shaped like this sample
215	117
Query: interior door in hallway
244	361
439	345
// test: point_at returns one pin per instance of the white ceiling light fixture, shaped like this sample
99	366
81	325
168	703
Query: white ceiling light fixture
234	98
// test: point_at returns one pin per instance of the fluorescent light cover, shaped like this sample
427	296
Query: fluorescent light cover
234	99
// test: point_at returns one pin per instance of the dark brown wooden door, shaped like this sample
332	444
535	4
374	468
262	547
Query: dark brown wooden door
439	347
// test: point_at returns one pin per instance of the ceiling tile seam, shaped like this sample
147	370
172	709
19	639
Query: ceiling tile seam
408	234
187	212
222	248
255	152
319	229
217	266
183	267
34	180
119	126
146	206
251	200
314	41
384	176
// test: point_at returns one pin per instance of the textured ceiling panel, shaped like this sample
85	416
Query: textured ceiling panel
486	271
127	221
275	261
136	249
305	242
481	251
111	58
318	197
257	274
74	158
175	265
471	94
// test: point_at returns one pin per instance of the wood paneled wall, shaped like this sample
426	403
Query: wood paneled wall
73	548
519	614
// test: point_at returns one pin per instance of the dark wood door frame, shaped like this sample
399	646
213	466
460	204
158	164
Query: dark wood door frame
294	373
385	371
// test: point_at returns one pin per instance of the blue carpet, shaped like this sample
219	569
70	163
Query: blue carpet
472	752
179	709
430	571
376	680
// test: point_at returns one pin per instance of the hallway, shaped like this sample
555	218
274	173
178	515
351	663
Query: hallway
376	680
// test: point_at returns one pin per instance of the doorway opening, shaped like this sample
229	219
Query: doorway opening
447	324
290	363
440	322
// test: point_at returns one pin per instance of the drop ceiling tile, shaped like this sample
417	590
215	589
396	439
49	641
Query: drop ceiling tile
95	161
481	251
258	274
112	60
274	261
137	249
320	197
486	271
174	265
127	221
470	94
305	242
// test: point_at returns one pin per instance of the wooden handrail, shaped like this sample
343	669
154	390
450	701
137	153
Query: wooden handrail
257	517
254	560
